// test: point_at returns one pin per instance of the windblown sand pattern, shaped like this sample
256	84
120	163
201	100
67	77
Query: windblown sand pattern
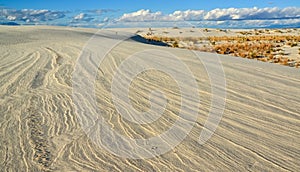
259	131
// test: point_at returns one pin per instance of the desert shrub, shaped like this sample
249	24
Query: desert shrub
294	44
284	61
175	44
261	47
271	56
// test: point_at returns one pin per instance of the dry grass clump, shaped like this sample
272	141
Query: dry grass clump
170	39
292	44
245	33
245	50
159	38
175	44
266	48
269	38
263	48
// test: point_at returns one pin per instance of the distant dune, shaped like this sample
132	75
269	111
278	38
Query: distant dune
40	131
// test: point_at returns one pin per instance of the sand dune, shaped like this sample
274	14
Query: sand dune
40	127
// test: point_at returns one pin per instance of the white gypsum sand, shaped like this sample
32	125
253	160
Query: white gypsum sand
259	131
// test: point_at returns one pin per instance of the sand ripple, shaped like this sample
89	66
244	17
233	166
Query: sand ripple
259	131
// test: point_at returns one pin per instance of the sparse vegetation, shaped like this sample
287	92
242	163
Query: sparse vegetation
292	44
175	44
267	48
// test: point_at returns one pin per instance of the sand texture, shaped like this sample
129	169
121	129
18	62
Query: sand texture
40	129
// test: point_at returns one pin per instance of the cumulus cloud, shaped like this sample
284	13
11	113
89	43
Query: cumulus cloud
215	15
79	16
252	13
82	17
188	15
147	15
229	17
30	16
142	15
11	18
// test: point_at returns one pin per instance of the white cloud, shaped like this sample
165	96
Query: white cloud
142	15
11	18
229	17
252	13
28	15
215	15
147	15
187	15
80	16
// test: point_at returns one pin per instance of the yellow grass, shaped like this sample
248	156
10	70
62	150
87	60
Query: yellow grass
260	47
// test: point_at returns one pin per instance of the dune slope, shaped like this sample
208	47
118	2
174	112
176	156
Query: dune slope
39	127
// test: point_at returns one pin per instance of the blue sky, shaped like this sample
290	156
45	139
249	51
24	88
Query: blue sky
211	13
154	5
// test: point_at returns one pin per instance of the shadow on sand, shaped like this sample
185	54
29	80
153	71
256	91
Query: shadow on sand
143	40
136	38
